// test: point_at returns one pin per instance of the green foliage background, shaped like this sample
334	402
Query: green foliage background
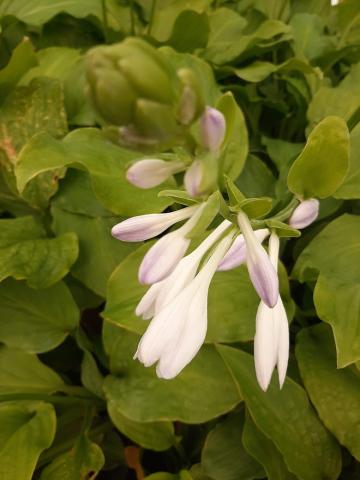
73	403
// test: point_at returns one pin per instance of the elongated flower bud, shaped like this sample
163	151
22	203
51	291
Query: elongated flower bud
213	127
262	273
271	342
305	213
236	255
193	178
163	257
148	173
143	227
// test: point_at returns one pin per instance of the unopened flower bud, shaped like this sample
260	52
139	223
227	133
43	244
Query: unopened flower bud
151	172
213	127
193	178
305	213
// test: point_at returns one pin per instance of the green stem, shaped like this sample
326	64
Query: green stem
132	18
152	13
285	213
105	19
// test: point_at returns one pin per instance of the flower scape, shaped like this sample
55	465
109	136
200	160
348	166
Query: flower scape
180	240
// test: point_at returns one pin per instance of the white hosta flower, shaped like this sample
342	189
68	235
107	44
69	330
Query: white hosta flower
163	292
177	332
213	128
143	227
261	271
163	257
305	213
271	342
236	255
192	178
148	173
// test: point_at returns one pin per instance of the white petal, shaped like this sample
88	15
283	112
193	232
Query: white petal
213	127
146	306
283	344
143	227
193	178
151	172
236	255
163	257
305	213
264	345
261	271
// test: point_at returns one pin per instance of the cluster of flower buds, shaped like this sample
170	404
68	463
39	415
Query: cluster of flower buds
136	87
201	175
176	301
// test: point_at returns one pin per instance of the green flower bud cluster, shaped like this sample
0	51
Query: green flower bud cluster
133	85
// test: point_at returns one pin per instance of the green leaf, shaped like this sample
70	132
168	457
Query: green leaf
229	48
351	187
335	393
190	31
310	40
26	253
282	229
83	461
322	166
182	475
22	372
165	19
335	254
235	146
259	70
153	435
99	252
38	12
342	100
264	451
22	59
254	207
40	319
310	453
256	179
179	196
224	457
27	429
142	397
84	148
67	65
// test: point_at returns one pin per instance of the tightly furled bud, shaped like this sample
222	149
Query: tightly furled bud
134	85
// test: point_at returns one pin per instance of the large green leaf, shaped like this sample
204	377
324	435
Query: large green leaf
351	187
26	253
67	65
152	435
236	143
27	429
204	389
335	254
22	372
99	252
256	179
342	100
83	461
322	166
224	457
36	320
259	70
264	451
87	148
310	40
22	59
224	47
286	417
334	392
38	12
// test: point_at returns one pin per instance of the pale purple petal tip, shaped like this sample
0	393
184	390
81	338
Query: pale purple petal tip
213	127
192	178
305	213
265	280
